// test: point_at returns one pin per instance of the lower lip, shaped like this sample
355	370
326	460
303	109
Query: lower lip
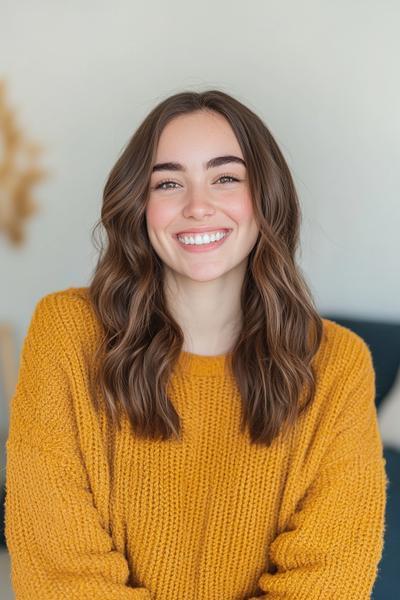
203	247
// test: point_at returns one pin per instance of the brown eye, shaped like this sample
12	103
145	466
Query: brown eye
228	177
162	183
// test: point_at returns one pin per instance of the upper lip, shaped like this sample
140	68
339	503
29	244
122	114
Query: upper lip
202	229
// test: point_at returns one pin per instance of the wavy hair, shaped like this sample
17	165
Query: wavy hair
272	358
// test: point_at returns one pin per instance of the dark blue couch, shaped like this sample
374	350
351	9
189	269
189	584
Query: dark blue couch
383	339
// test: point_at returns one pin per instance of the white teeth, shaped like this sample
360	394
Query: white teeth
199	239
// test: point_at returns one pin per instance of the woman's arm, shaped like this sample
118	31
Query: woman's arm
333	543
58	543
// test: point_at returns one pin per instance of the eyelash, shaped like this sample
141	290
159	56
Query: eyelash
158	186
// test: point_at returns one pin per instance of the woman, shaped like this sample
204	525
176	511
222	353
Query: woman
188	426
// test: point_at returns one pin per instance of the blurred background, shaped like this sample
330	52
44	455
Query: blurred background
77	78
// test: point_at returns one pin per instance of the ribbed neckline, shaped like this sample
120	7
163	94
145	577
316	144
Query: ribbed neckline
199	364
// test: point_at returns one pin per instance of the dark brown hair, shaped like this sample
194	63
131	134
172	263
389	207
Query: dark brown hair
271	360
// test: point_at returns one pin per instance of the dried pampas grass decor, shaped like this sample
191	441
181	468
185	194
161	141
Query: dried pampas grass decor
18	173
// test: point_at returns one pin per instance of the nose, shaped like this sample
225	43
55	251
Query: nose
198	203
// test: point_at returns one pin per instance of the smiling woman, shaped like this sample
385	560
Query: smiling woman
187	426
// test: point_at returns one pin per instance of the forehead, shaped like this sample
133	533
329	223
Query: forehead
196	137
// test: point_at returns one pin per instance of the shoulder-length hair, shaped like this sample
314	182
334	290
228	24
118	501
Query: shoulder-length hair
271	361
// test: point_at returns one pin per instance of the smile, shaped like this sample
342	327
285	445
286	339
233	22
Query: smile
202	242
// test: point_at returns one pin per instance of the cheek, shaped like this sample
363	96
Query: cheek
158	214
241	209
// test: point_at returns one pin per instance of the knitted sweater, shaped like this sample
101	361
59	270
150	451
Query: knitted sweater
98	514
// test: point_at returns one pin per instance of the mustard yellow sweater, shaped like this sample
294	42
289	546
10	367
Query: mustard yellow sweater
99	515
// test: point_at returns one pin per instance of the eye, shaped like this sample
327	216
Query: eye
228	177
159	186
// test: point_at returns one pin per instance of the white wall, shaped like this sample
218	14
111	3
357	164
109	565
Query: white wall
323	75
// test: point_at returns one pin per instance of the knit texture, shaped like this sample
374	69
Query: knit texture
96	514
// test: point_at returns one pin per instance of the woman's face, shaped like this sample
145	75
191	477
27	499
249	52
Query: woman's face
192	194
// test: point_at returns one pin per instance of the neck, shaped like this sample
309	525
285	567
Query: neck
208	312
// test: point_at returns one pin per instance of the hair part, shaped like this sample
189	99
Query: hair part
272	358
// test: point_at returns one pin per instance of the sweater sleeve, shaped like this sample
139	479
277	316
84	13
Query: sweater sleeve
332	546
58	544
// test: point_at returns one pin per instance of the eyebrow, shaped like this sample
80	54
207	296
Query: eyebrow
213	162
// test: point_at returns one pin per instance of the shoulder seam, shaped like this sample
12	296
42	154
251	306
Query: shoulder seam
346	331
